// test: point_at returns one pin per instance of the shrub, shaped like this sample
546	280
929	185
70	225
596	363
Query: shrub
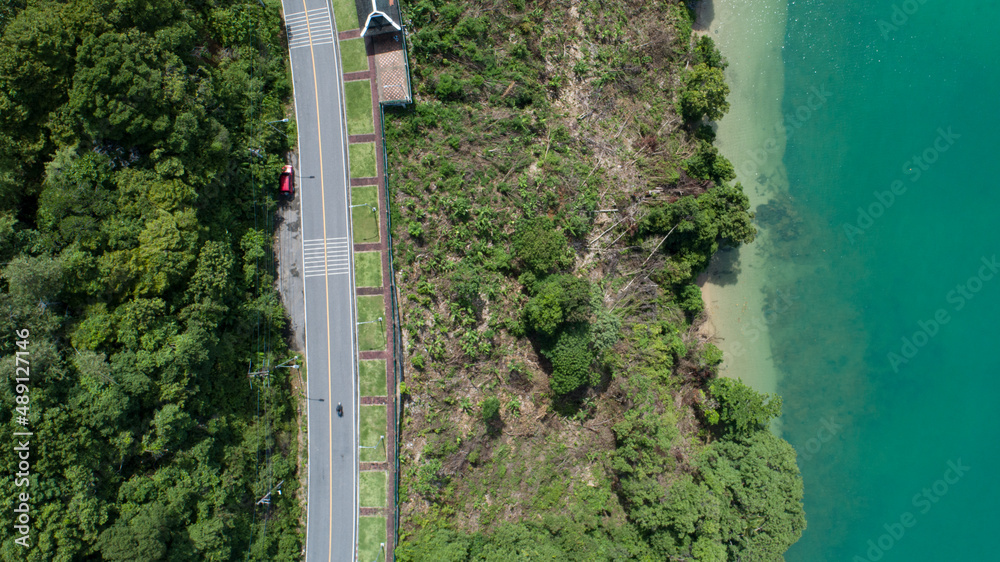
539	247
571	359
711	355
466	285
706	53
418	362
742	410
528	279
447	87
490	409
707	163
730	209
690	301
544	313
605	330
560	299
704	94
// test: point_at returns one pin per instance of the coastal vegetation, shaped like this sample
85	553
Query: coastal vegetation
136	182
555	195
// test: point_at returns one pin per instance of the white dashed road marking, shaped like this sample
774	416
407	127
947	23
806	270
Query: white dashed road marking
329	258
319	24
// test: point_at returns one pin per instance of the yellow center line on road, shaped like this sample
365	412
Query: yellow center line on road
326	269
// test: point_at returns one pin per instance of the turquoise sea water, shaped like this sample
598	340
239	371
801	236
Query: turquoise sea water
884	440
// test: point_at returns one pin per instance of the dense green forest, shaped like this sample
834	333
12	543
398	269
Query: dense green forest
136	190
555	194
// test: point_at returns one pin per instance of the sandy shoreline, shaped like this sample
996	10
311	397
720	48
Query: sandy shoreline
750	34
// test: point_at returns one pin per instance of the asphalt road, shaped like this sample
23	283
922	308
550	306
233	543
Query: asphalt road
328	275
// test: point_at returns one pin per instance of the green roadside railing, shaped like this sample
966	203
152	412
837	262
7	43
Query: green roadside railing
397	335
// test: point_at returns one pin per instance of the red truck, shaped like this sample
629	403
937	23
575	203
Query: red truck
286	181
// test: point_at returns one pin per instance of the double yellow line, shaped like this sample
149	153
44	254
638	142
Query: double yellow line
326	269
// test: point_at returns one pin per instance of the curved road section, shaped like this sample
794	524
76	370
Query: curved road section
328	275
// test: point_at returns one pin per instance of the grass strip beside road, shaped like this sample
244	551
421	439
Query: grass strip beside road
360	120
364	221
367	265
371	536
373	488
353	56
362	159
346	15
372	375
373	424
371	336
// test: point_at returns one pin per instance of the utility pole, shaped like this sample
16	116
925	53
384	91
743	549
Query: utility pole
261	374
266	500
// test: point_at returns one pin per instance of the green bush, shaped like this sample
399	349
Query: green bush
448	88
690	301
704	94
605	330
761	489
466	284
707	163
706	53
544	313
418	362
730	210
697	227
571	358
539	247
711	355
560	299
726	509
490	409
741	409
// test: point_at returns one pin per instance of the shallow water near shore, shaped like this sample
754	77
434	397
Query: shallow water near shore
750	35
873	282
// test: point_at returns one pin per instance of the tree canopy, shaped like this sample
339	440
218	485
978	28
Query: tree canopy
704	94
134	252
738	410
558	300
539	246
